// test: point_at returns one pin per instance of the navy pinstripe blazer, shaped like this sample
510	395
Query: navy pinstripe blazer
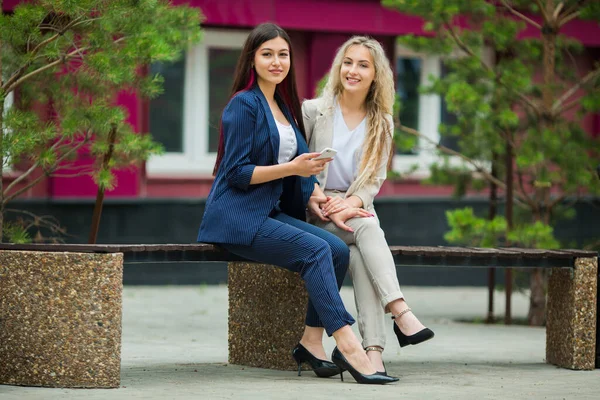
235	209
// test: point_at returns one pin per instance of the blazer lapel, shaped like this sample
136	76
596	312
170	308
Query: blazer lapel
273	131
323	136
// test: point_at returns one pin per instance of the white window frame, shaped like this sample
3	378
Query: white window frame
8	103
430	117
430	114
196	159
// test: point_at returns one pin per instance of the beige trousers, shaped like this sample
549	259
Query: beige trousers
373	274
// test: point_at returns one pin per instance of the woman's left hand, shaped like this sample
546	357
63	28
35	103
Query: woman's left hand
334	205
340	218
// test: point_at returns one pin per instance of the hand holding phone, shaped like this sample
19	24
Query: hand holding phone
326	153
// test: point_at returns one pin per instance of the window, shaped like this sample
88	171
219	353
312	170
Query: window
408	79
185	118
166	111
220	77
419	111
448	118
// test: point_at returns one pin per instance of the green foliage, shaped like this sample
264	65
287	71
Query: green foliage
14	232
590	11
321	85
494	87
69	60
469	230
25	227
537	235
462	178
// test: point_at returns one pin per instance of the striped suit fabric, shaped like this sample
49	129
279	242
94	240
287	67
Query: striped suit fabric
265	222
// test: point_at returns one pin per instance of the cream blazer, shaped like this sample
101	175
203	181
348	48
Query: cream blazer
318	122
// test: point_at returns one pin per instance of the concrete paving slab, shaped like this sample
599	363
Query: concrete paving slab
175	347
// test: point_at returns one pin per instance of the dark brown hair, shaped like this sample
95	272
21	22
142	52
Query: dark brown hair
245	77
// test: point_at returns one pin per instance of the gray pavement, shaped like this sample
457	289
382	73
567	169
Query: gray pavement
175	347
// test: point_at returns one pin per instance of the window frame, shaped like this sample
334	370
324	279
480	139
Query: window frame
196	159
430	114
429	122
8	103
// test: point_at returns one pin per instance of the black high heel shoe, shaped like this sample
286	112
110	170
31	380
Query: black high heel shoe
419	337
322	368
338	358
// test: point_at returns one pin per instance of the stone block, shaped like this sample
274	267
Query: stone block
267	309
571	315
60	319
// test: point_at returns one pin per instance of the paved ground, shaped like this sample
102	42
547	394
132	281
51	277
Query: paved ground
175	347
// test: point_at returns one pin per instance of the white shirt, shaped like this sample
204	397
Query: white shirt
344	167
287	142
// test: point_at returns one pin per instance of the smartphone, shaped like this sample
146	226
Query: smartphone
326	153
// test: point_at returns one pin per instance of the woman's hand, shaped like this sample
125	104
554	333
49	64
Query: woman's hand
340	218
333	205
314	205
305	166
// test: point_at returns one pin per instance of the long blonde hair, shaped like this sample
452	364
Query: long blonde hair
379	104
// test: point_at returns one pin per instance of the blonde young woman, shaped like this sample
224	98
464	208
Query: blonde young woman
354	116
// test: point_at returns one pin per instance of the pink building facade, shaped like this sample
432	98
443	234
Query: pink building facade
196	88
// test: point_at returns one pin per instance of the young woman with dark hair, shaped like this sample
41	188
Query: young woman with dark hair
265	180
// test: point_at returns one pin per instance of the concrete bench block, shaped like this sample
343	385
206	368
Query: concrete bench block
60	319
571	315
267	308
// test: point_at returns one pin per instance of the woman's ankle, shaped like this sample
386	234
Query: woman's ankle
397	306
376	358
312	336
346	340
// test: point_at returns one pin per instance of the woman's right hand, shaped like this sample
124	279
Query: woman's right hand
305	166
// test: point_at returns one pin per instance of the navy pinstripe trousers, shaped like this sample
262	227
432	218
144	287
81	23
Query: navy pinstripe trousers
320	258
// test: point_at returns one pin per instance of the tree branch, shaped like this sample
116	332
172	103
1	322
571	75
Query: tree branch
44	175
573	9
37	48
520	15
543	10
82	173
44	221
25	174
558	9
567	18
557	200
570	105
522	188
489	177
53	64
590	76
44	68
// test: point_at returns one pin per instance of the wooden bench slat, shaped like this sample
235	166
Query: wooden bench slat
403	255
562	253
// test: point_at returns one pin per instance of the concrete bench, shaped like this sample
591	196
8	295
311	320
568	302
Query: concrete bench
60	306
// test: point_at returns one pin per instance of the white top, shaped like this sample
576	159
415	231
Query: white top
348	143
287	142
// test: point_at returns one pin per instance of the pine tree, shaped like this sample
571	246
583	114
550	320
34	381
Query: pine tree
64	62
516	130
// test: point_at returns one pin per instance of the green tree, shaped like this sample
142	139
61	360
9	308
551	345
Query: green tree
66	60
518	131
